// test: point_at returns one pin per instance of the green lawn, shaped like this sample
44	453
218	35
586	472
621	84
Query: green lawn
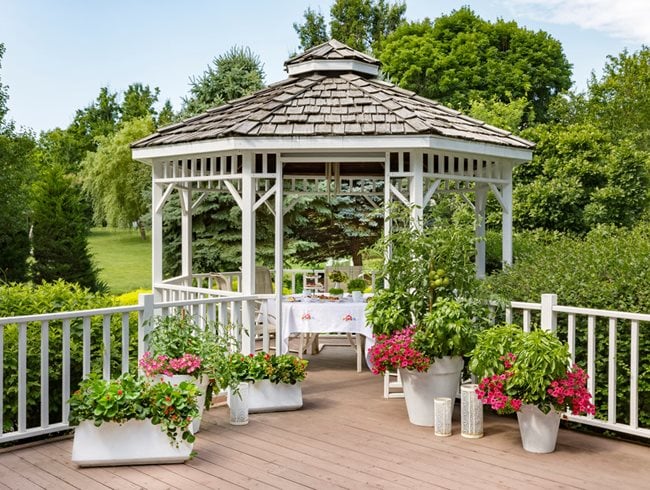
124	259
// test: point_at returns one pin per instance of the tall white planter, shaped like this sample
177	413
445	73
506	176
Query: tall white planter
440	381
538	429
201	383
130	443
264	396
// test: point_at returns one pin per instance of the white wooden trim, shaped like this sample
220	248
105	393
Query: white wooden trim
332	65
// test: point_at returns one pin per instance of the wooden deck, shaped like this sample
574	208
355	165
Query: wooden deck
346	436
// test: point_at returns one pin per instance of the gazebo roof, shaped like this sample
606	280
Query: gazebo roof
332	90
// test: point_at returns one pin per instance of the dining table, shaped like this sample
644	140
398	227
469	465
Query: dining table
311	315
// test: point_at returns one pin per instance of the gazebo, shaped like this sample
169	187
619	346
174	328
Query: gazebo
332	127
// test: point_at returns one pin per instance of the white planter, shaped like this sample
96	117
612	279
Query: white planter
538	429
134	442
357	296
440	381
201	383
264	396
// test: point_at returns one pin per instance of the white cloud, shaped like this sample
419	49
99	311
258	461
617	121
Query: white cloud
625	19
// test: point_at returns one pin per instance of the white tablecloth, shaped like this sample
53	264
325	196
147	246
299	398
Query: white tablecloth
342	316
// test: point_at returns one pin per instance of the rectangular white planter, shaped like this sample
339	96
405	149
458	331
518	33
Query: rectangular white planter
134	442
264	396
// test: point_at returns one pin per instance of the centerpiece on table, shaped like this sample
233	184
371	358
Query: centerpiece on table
129	420
337	277
275	381
356	287
427	318
181	350
526	373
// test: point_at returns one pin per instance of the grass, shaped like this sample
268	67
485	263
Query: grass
123	258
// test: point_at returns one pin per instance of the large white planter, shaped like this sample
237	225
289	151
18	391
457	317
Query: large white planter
264	396
440	381
201	383
538	429
134	442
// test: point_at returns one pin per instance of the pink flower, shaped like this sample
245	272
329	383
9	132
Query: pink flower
162	364
394	351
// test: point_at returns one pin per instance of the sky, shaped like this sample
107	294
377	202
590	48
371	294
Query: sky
60	53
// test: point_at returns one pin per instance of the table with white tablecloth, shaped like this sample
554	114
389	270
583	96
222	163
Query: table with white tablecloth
301	315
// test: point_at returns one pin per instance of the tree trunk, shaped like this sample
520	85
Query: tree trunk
143	231
357	259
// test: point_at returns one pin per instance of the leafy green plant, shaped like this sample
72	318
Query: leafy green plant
130	398
358	284
338	276
450	328
284	368
336	291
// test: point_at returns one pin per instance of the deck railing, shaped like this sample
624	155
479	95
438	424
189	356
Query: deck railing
110	340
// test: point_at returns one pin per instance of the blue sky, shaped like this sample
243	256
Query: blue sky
59	53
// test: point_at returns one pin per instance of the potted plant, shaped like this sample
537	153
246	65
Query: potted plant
337	277
131	421
275	381
180	350
526	373
357	287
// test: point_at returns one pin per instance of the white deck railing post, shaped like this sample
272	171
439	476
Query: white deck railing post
549	315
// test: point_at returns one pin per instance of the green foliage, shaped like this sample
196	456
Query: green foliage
234	74
450	328
505	115
460	57
119	186
17	171
338	276
358	284
60	232
580	177
540	358
285	368
608	269
29	299
4	95
389	311
138	102
335	291
130	398
313	31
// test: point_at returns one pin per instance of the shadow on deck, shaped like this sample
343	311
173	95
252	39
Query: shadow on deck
347	435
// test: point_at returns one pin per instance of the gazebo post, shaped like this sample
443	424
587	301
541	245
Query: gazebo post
279	253
186	235
480	200
416	187
506	220
156	230
248	252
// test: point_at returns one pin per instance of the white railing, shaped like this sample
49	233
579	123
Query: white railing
107	340
94	333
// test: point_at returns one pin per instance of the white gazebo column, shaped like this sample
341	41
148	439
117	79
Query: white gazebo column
279	253
416	187
480	200
506	196
156	230
186	235
248	251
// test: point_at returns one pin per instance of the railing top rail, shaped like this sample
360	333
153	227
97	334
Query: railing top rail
623	315
62	315
522	305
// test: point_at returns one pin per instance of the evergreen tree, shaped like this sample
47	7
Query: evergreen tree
60	231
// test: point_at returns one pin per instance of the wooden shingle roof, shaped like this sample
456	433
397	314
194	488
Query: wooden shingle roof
331	104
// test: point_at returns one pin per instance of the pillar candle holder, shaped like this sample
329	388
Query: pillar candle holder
442	411
239	405
471	412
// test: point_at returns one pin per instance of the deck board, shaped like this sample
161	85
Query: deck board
346	436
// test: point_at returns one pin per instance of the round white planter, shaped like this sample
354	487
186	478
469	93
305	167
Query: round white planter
133	442
201	383
538	429
441	380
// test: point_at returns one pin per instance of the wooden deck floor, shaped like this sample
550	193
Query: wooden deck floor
347	436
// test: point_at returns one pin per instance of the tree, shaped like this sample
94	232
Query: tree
4	95
580	177
460	57
100	118
361	24
119	186
236	73
16	169
619	101
60	231
166	115
138	102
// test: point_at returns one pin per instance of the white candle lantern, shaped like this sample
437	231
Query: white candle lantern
239	405
442	411
471	412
